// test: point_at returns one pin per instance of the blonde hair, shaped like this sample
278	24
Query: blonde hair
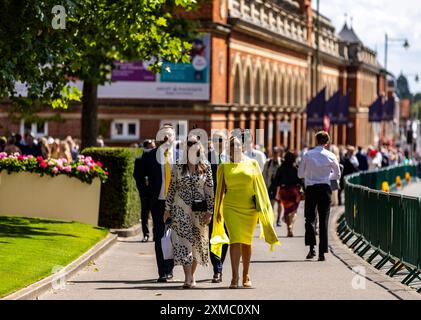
65	151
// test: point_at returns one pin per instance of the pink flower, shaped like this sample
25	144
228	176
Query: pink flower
51	163
54	170
68	168
82	168
3	155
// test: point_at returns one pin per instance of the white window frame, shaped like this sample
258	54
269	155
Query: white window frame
34	129
125	135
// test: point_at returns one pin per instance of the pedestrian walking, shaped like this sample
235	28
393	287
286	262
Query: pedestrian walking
269	175
216	157
144	189
189	205
289	190
318	167
156	168
241	200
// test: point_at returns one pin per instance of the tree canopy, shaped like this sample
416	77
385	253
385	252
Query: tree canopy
96	33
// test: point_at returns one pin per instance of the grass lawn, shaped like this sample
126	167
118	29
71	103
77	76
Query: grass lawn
30	248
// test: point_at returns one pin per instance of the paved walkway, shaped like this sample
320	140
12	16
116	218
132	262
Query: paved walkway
414	190
128	271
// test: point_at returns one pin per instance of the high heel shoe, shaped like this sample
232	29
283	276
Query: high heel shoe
190	285
234	284
247	282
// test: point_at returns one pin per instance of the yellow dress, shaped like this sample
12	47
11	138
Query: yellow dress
241	181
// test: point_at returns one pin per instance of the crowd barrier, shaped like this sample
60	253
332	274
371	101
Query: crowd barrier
387	223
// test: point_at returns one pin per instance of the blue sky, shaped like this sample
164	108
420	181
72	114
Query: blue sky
372	19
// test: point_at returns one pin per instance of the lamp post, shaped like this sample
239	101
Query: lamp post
386	47
317	45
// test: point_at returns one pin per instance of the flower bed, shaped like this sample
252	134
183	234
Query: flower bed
37	187
85	168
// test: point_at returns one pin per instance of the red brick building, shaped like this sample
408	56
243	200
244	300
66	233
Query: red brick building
263	71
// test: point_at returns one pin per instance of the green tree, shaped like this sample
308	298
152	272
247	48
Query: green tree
97	33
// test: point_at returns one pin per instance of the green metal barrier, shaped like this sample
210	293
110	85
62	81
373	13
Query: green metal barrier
388	223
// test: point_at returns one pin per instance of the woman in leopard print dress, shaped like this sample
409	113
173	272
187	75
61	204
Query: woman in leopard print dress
190	236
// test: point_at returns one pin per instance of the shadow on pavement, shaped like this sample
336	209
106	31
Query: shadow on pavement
281	261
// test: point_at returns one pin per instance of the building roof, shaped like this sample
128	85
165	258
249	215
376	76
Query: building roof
349	35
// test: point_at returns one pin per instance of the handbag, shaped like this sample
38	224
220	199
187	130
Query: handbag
166	244
197	205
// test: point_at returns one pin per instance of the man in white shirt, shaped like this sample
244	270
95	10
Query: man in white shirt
251	152
318	167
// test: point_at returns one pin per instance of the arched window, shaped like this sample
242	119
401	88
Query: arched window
284	91
305	93
237	86
257	88
275	85
289	93
298	93
266	89
247	87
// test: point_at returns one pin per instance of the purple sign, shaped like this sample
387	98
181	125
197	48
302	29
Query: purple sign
132	71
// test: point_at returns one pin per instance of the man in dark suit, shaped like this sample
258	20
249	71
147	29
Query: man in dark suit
144	189
362	160
156	169
215	157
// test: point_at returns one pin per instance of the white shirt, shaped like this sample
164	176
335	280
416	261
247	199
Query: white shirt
162	195
376	162
319	166
257	155
354	161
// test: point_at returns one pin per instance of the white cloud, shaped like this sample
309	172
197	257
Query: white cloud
372	19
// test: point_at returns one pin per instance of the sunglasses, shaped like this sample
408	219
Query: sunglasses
191	143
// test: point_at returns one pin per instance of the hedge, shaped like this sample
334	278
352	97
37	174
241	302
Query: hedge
120	203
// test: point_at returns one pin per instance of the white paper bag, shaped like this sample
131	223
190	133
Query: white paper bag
166	244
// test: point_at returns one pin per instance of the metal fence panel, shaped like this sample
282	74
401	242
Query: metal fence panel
390	222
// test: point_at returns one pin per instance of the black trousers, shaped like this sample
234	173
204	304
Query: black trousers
144	214
217	263
317	197
165	267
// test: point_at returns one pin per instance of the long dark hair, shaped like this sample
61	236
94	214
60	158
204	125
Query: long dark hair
289	160
201	166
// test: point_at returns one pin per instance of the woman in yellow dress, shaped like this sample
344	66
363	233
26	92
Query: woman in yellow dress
241	201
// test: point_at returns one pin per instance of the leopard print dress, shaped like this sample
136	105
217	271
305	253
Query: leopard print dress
190	236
